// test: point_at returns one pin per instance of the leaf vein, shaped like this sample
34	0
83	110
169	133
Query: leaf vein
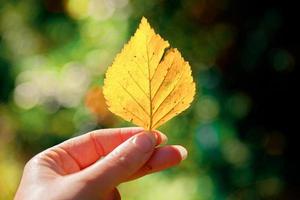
136	101
133	114
176	84
140	68
168	111
136	83
162	80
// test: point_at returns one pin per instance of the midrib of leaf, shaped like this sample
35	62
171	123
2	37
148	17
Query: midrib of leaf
149	83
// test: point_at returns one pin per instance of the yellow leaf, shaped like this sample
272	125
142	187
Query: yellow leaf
147	83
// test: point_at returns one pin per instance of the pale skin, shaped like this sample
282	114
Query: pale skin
91	166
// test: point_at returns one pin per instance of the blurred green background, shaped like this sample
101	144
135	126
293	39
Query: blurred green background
53	56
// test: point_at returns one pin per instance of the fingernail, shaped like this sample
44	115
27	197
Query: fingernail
145	141
183	152
117	195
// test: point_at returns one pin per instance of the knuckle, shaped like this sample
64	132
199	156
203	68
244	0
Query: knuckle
34	161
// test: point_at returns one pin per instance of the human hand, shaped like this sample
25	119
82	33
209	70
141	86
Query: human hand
70	170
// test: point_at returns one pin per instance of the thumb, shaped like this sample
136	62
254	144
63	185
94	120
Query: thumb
123	161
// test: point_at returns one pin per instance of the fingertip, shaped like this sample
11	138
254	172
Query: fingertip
182	151
164	139
163	157
161	138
